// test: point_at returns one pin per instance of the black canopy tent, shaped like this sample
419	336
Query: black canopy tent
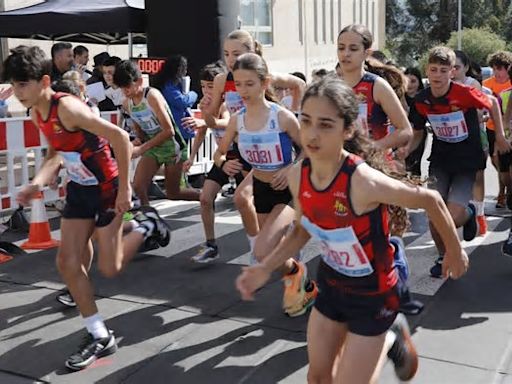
81	21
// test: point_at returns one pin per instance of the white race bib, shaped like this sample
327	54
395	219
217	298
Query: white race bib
77	171
341	249
363	117
262	151
449	127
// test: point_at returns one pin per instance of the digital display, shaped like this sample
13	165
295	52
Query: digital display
149	65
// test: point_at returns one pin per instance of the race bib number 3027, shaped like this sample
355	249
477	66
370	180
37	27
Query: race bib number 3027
449	127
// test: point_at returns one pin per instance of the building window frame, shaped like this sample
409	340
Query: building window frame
257	30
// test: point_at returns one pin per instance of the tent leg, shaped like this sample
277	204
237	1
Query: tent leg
130	45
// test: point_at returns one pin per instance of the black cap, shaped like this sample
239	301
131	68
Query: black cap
100	58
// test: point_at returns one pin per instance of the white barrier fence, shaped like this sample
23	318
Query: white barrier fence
22	151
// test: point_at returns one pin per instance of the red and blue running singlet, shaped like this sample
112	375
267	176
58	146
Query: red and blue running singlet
87	157
456	145
371	116
232	98
355	246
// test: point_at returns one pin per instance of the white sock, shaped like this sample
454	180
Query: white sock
479	205
146	228
252	240
95	326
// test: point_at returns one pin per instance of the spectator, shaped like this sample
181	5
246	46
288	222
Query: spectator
80	59
170	81
4	95
97	73
113	92
318	74
62	60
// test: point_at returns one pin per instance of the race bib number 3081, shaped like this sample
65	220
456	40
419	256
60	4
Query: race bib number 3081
449	127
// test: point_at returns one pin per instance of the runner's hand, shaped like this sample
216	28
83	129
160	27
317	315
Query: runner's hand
124	200
232	167
280	180
454	265
137	151
27	193
251	279
205	102
6	93
187	164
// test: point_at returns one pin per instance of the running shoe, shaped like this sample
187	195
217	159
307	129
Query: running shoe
294	288
501	201
66	299
437	269
470	229
482	225
206	255
307	302
162	232
403	353
230	192
90	350
506	248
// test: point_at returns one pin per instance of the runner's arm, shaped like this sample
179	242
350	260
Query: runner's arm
51	164
75	115
296	86
388	100
211	112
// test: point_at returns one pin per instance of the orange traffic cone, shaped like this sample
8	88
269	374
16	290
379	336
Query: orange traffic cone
39	236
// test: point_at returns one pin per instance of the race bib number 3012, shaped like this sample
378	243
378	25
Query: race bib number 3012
341	250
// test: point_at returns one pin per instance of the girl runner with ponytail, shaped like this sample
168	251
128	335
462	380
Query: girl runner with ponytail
265	131
342	201
237	43
379	104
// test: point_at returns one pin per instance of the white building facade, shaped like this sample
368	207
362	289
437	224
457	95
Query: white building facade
300	35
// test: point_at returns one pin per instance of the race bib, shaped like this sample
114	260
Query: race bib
233	101
362	117
341	249
262	151
76	170
449	127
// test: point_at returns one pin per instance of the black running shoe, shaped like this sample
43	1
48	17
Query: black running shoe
403	353
162	232
66	299
437	269
506	248
90	350
470	229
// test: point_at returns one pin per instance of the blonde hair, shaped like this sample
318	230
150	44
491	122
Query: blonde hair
75	77
246	39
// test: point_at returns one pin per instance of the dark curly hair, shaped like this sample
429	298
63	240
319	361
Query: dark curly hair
25	64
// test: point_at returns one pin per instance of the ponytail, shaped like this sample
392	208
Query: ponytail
258	48
392	75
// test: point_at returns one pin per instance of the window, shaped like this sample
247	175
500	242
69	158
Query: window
367	11
354	11
256	18
324	22
373	17
301	32
339	16
315	17
332	20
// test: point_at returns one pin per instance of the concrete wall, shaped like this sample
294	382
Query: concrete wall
288	53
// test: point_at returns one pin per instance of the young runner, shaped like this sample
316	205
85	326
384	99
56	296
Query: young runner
379	106
265	132
98	192
237	43
341	201
499	62
162	143
216	178
460	75
457	154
